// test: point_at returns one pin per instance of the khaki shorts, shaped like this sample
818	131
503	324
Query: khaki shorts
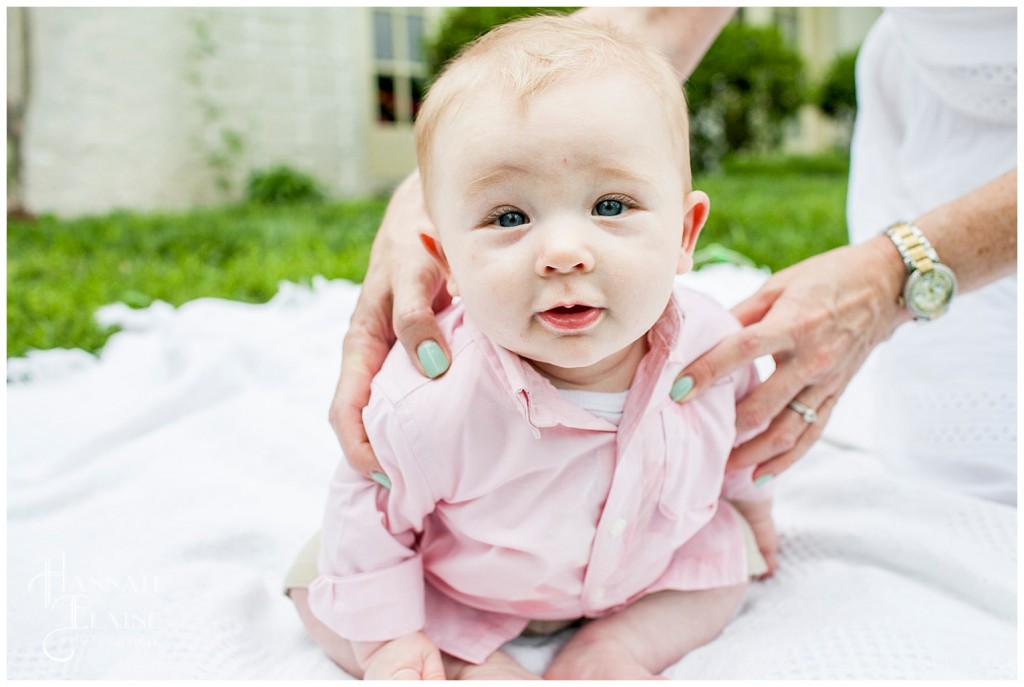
304	569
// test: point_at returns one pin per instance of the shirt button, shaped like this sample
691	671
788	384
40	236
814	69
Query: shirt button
618	527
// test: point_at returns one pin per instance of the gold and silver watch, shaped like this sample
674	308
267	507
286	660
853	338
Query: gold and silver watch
930	285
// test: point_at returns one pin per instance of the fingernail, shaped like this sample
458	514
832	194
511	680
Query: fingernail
432	358
682	386
381	479
763	480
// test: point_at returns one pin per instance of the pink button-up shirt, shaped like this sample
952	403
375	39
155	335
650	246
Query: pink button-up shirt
509	503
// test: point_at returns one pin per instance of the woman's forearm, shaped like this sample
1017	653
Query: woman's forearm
976	234
684	34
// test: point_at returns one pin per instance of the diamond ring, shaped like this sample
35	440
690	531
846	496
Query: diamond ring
809	415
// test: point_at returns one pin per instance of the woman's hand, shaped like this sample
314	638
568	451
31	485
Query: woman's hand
683	34
402	290
819	319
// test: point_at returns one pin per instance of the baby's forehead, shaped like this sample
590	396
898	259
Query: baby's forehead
569	100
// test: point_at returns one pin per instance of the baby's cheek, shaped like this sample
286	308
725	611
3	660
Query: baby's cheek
497	281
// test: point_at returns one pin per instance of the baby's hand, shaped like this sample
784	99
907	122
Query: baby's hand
412	657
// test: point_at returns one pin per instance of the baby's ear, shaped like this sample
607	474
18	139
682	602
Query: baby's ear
433	246
697	207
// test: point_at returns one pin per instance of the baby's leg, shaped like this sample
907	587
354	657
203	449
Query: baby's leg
498	666
337	648
647	637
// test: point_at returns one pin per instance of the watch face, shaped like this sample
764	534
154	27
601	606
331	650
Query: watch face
929	293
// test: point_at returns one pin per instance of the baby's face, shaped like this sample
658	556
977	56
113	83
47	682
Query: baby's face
563	227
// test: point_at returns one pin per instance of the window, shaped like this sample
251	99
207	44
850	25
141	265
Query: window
400	71
788	23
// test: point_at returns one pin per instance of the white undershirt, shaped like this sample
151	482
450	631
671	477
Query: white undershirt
604	404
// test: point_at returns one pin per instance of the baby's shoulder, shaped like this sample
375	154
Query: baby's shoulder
704	321
416	399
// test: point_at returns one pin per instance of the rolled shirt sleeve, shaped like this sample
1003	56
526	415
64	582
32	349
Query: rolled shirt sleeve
370	586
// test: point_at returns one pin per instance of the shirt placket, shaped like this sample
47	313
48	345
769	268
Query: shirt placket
609	552
603	582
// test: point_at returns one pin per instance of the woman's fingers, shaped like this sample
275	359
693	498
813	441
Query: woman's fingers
731	353
365	347
783	443
769	399
418	294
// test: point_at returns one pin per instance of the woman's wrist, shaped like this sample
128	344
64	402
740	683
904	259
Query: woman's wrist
890	274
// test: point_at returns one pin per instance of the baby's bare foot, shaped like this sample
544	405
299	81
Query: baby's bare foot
598	659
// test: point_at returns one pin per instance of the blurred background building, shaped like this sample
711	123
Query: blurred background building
168	108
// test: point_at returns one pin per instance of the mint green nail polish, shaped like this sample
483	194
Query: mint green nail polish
763	480
682	386
381	479
432	358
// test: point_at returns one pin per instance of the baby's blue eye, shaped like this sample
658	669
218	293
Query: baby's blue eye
608	208
512	219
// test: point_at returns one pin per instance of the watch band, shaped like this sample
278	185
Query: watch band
916	250
930	285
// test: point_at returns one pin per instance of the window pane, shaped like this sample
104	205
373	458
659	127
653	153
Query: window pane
382	43
417	95
385	98
414	33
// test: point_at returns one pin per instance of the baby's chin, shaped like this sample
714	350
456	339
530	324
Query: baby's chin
571	353
567	364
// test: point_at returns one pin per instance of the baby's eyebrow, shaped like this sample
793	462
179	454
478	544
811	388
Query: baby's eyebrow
498	175
623	173
506	172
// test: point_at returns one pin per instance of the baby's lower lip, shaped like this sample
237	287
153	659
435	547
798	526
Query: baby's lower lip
570	319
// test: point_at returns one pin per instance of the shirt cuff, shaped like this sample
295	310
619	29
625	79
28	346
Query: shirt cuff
374	606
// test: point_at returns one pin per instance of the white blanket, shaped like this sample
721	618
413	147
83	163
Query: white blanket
157	494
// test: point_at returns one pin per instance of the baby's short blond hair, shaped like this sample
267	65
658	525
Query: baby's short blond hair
524	57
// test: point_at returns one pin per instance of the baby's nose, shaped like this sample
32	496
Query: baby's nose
564	252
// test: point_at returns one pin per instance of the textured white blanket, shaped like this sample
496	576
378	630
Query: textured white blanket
157	494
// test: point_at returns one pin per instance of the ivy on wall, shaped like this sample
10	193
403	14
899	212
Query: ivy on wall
221	146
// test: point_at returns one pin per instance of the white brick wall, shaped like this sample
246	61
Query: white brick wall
117	96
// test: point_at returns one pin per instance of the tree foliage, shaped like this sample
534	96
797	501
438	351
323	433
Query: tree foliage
742	94
837	96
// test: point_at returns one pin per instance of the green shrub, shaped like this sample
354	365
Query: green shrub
282	184
837	94
742	94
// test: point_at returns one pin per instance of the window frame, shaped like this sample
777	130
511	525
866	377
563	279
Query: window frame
401	67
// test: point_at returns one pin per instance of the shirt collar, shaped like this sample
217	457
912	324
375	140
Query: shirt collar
542	406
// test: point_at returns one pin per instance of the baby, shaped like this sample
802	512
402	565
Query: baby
547	479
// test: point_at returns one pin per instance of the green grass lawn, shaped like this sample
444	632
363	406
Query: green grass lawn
59	271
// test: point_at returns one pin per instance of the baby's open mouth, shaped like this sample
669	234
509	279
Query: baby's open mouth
570	309
570	318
